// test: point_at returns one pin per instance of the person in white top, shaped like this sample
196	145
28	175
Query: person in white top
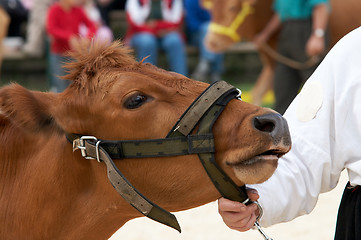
325	126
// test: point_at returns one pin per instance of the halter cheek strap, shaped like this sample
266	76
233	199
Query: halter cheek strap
204	111
216	104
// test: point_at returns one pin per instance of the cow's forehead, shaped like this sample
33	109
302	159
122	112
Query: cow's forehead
88	60
96	68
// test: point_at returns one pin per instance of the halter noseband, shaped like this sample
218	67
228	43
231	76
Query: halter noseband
203	112
231	30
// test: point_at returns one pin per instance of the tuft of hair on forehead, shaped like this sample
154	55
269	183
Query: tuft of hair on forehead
92	58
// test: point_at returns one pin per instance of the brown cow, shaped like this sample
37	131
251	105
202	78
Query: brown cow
344	18
47	191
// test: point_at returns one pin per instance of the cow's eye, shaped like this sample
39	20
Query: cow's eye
135	101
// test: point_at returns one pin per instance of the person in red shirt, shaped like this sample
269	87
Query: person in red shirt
63	25
157	24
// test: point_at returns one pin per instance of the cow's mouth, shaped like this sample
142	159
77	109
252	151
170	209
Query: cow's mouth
269	156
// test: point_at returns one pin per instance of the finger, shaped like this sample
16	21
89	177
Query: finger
232	217
241	218
249	224
243	224
226	205
252	194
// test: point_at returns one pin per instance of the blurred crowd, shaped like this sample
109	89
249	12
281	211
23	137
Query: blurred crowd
37	27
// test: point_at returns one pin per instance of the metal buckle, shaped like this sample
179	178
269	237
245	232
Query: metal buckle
239	94
97	150
82	147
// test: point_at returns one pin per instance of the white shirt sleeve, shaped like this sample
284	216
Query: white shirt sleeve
325	126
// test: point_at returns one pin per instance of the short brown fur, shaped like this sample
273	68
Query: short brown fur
49	192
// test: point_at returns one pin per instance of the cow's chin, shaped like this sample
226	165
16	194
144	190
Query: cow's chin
255	170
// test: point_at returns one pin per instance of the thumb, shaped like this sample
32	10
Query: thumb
252	194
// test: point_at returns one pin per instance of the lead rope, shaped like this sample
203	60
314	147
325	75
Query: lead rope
310	62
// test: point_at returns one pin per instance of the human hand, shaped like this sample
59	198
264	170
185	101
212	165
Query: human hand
260	39
237	215
151	23
75	42
315	45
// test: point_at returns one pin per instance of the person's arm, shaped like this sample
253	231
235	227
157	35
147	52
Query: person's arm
324	122
272	26
294	188
316	43
304	172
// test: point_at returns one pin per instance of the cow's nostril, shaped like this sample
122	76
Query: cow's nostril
275	126
264	124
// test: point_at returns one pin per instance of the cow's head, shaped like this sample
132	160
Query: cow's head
114	97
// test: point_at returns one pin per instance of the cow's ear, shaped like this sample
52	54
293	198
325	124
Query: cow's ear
29	110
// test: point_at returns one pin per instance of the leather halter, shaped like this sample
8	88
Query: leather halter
231	30
203	112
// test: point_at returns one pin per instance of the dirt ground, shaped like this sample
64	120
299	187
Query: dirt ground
204	223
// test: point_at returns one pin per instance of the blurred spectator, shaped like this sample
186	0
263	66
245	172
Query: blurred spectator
4	24
103	33
303	25
35	38
210	65
155	24
35	31
105	6
18	11
63	26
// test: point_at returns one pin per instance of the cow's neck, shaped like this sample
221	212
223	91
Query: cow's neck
52	193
